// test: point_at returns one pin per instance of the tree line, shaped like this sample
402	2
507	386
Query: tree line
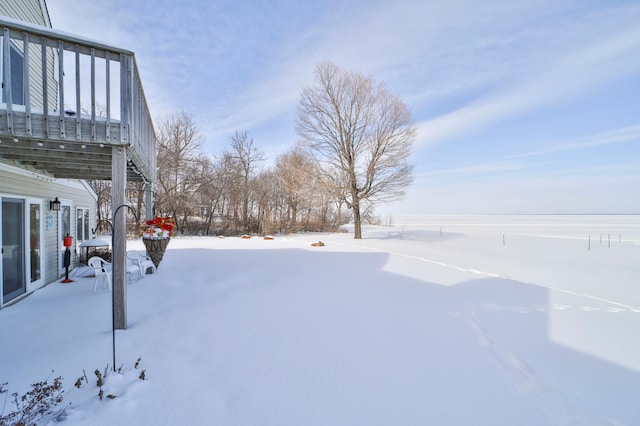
355	140
233	193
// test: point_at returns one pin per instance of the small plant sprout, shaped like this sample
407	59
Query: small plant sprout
99	382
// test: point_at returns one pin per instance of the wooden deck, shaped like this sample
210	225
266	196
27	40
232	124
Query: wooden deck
86	155
78	100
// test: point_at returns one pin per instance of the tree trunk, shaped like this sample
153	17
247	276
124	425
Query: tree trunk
357	222
294	216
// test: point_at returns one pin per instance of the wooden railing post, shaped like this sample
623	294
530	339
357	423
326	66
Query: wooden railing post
7	79
45	86
26	68
125	100
61	87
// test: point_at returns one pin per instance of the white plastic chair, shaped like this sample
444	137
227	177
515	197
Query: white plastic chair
143	261
103	275
133	271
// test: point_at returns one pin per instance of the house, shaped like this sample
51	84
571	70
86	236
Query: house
72	109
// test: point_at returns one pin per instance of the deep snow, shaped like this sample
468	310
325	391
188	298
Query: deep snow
490	320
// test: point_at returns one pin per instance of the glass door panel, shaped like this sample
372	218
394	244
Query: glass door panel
34	242
13	262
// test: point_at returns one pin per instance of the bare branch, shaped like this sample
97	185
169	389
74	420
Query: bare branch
360	134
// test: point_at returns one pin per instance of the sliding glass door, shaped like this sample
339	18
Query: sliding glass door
13	271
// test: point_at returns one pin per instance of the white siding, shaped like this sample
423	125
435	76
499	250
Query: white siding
24	10
21	183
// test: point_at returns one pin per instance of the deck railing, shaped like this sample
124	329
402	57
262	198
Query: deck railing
73	89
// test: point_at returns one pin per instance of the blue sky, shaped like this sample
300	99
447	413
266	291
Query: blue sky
522	106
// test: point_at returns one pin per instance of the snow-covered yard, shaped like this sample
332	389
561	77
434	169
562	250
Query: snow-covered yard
490	320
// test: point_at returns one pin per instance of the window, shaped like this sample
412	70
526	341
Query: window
17	83
82	225
35	241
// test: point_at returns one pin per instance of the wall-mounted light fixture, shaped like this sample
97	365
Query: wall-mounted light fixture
54	205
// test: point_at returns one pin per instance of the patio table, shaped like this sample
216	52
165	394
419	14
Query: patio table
91	246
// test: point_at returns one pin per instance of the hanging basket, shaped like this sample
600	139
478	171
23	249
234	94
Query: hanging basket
155	248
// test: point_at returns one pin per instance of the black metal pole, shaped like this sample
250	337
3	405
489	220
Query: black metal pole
101	221
113	293
113	304
113	318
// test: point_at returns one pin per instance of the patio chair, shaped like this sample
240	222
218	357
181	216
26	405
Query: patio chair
133	271
144	262
100	268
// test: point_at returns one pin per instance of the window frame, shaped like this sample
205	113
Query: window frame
17	74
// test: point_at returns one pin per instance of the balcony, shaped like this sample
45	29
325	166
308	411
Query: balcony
67	102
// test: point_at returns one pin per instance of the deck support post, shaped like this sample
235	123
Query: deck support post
119	254
148	201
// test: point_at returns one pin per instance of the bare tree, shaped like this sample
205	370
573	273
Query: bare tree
362	136
179	166
296	171
135	197
210	193
245	157
266	187
102	188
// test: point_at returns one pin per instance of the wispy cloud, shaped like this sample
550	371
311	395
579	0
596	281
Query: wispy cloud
625	134
522	164
490	168
579	73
